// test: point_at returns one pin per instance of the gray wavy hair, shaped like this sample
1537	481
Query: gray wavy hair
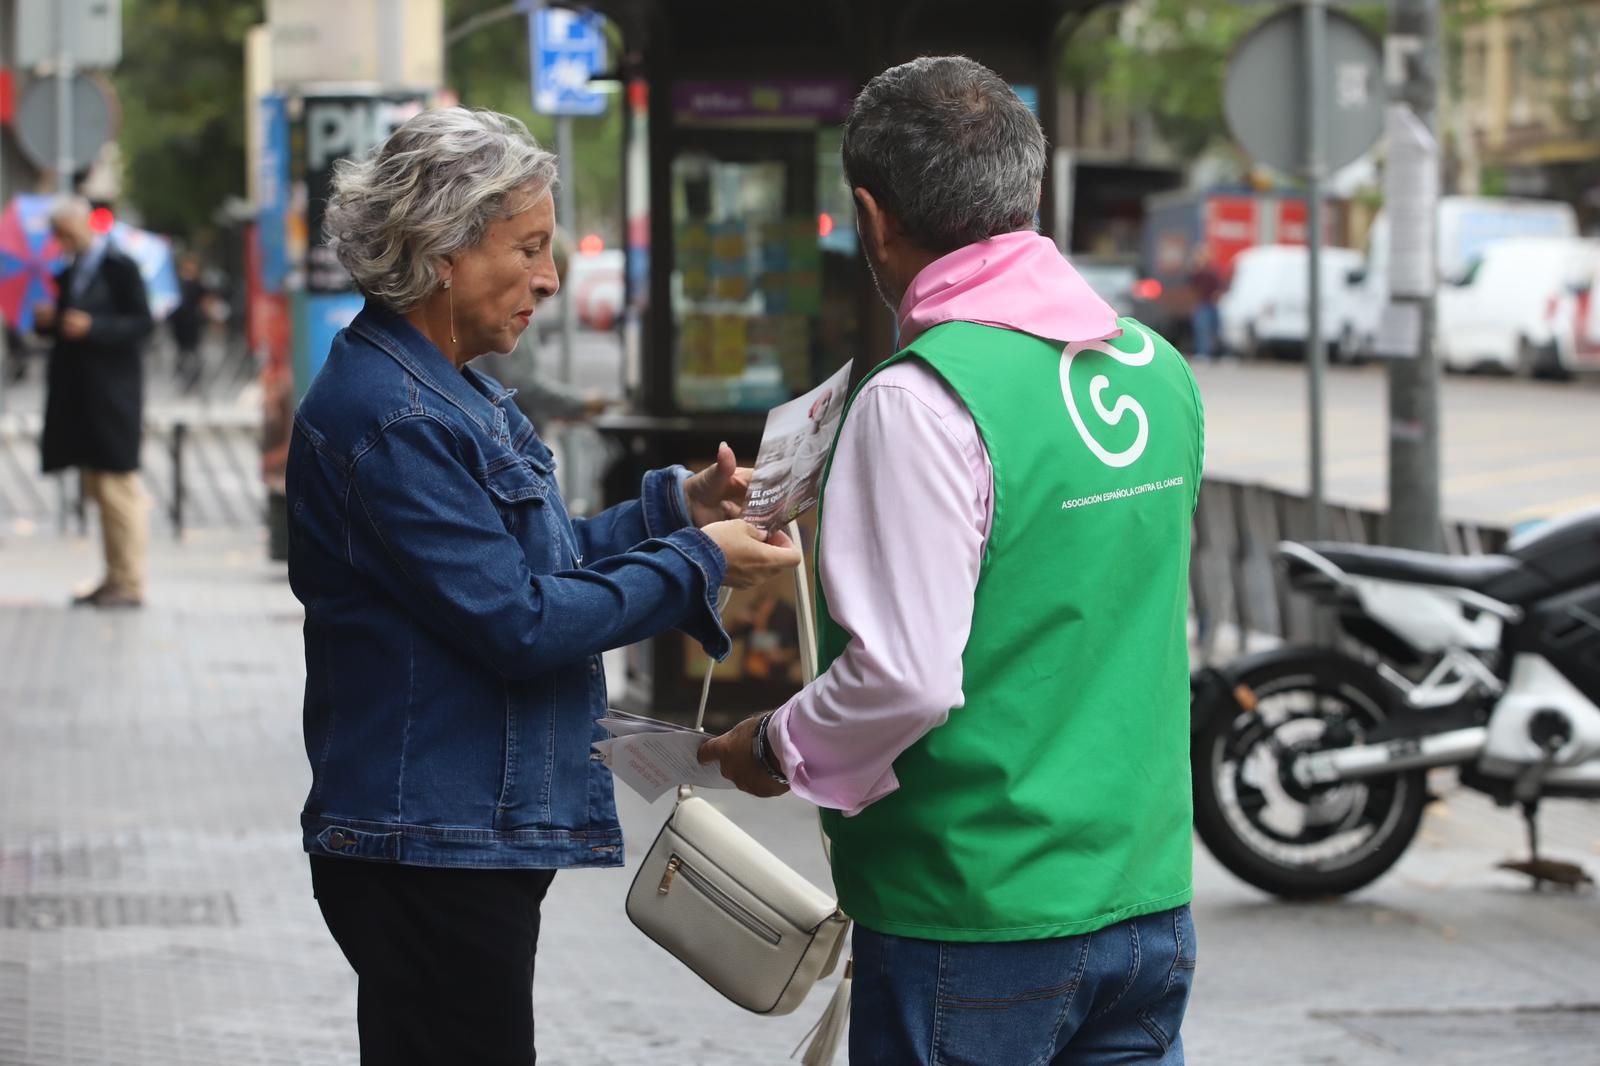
432	189
946	147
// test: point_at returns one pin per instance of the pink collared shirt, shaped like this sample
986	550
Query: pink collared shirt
910	503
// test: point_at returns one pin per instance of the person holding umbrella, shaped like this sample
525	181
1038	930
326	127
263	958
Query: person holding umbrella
94	408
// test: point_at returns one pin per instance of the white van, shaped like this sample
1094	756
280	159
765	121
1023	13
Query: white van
1499	316
1266	306
1466	226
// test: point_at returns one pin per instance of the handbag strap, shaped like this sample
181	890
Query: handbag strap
806	612
723	596
807	619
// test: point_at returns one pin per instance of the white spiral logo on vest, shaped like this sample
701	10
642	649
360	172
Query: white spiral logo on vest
1097	386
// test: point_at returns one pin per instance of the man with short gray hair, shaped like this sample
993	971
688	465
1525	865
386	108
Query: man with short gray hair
999	735
94	411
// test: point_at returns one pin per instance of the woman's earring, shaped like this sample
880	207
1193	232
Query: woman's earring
452	293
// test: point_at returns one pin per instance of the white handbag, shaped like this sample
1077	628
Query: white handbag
729	909
733	912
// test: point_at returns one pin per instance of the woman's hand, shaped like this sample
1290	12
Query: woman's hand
751	557
718	492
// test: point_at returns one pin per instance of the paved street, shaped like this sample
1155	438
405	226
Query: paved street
155	908
1513	450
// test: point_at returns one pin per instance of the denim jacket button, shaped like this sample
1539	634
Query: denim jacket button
594	667
338	841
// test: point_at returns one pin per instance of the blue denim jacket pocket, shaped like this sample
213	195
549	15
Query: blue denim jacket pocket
531	507
521	496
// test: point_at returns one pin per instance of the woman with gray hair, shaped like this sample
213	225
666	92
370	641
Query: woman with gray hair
455	613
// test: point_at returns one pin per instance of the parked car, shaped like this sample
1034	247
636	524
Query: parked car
594	283
1115	280
1266	308
1466	226
1500	315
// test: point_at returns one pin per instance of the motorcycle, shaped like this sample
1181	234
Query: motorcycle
1311	763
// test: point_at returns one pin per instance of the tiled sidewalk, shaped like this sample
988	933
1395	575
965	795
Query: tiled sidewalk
155	907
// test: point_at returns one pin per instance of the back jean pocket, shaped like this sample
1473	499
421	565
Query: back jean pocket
1162	1017
1004	1003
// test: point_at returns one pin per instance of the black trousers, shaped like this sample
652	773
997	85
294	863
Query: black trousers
444	958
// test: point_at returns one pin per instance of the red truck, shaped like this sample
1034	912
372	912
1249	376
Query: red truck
1224	221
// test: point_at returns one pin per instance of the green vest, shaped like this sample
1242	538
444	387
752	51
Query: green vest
1056	800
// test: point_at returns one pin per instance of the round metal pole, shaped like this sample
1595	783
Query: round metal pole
1316	45
64	168
567	212
1415	508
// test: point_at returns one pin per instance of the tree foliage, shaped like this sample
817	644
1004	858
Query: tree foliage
181	85
1169	58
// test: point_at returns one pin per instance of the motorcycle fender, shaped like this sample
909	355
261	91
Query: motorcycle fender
1216	690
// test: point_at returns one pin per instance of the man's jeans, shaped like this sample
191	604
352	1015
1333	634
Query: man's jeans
1114	996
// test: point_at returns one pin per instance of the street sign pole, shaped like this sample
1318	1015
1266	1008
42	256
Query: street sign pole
63	168
1299	96
566	49
567	216
1315	34
64	73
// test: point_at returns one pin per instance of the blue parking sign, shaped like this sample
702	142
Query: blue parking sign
568	48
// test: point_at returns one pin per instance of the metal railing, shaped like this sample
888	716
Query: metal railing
201	474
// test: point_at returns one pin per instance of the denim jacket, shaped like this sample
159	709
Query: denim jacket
455	614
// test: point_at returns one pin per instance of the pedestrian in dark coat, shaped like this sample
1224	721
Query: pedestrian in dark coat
94	411
188	322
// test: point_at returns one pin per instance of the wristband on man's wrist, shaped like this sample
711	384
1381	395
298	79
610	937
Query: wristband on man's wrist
763	750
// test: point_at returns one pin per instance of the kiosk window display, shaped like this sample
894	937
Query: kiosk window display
765	278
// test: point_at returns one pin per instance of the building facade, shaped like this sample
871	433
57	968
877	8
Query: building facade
1528	119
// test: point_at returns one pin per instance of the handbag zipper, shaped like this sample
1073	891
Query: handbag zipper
719	899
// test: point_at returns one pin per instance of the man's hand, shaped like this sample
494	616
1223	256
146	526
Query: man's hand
718	492
734	750
752	558
75	325
44	316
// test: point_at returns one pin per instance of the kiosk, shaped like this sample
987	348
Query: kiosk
745	283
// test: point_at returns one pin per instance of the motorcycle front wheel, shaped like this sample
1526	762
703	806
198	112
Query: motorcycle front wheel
1267	828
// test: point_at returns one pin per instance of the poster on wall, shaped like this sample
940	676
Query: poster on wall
272	193
330	128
